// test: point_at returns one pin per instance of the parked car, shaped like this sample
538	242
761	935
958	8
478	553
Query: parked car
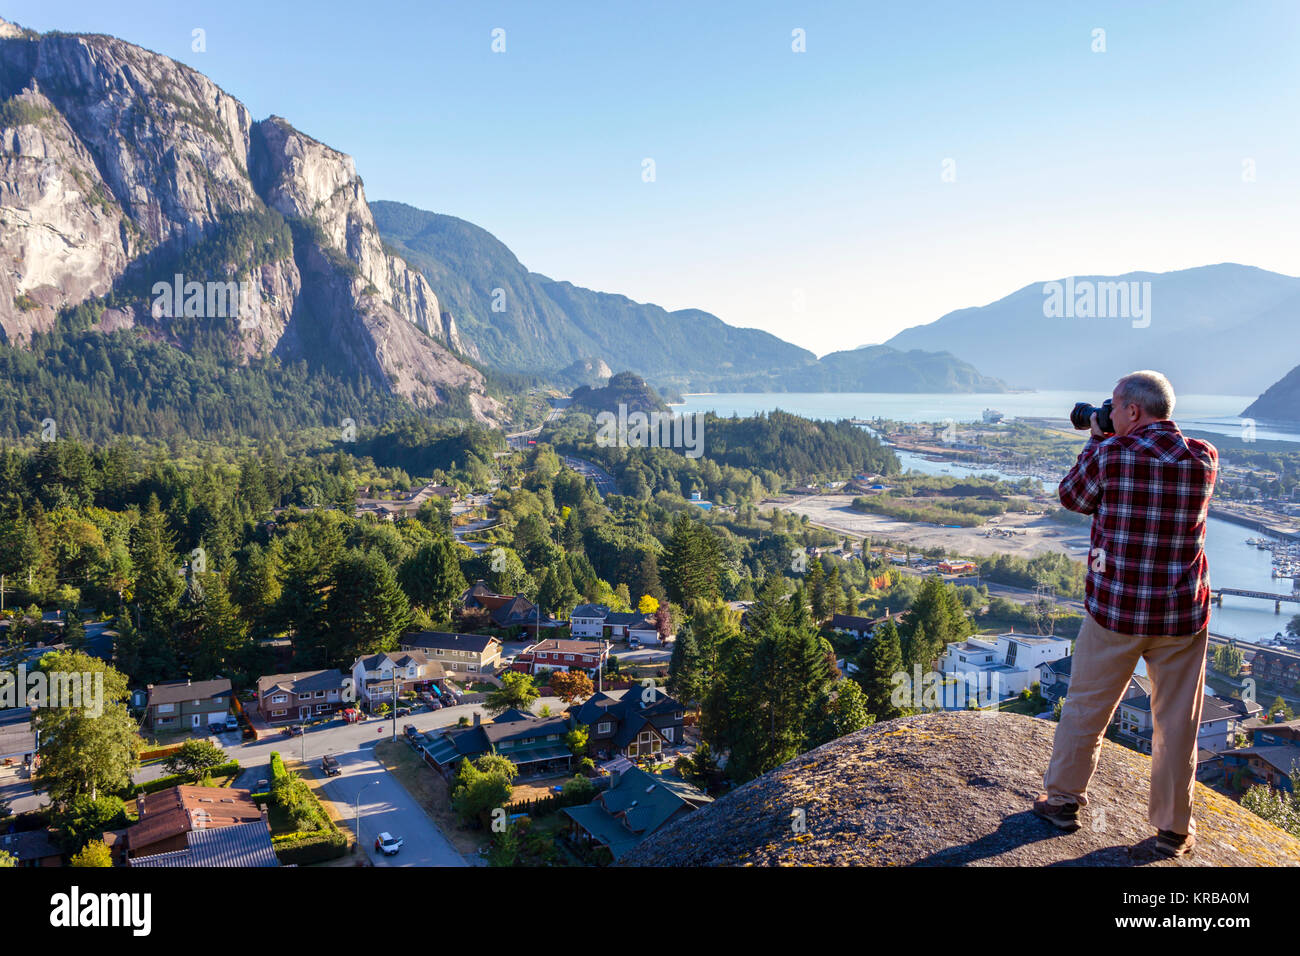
434	704
330	765
634	642
232	722
410	730
403	712
387	844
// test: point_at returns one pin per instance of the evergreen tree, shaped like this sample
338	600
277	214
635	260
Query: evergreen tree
367	609
841	710
432	579
685	673
815	587
880	660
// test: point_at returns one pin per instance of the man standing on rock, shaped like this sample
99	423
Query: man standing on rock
1148	490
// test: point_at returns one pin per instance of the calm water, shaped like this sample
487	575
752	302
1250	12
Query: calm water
1220	414
1233	563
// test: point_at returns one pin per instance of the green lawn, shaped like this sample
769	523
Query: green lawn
1030	708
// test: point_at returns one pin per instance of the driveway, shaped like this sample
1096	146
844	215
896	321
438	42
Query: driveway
385	805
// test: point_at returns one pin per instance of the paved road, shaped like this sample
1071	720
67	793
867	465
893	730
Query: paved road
385	806
605	483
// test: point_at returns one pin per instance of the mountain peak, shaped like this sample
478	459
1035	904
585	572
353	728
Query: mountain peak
949	789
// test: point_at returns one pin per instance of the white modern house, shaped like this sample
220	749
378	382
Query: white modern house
997	668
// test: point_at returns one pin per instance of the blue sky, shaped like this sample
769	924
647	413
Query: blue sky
801	193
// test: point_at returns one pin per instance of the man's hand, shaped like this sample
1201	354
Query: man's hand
1096	429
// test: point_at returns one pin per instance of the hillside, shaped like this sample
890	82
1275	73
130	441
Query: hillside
1280	401
623	389
541	325
1219	329
522	321
948	789
878	368
120	170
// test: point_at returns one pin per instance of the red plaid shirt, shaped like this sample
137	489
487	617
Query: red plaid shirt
1148	494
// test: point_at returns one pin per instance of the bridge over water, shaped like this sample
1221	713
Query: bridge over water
1277	599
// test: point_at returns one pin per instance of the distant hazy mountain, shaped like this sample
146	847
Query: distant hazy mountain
1214	329
518	320
521	321
879	368
1280	401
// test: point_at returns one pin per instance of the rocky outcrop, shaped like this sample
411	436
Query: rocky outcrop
949	789
118	163
62	234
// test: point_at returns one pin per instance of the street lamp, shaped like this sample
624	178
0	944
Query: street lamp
357	809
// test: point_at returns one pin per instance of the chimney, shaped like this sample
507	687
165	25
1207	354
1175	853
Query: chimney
476	718
139	805
265	820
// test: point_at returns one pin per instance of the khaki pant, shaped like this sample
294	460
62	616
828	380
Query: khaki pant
1104	661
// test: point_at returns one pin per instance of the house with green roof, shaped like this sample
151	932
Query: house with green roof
534	744
635	805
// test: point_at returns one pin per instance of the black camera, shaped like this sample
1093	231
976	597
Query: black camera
1080	418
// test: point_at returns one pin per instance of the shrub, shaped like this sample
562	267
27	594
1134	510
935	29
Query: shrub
94	854
304	849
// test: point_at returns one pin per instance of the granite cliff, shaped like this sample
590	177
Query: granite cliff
120	168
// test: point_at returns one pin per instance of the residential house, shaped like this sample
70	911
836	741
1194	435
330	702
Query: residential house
635	805
646	631
240	845
387	509
1054	682
17	736
588	620
1273	754
482	597
457	653
534	744
374	677
596	620
168	816
1271	764
186	705
995	669
306	695
636	722
524	614
856	627
1221	719
563	654
32	848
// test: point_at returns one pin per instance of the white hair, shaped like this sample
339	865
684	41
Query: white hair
1149	390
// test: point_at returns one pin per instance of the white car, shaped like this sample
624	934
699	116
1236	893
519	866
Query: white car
387	844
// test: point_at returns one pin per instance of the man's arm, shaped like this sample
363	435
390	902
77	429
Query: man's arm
1080	489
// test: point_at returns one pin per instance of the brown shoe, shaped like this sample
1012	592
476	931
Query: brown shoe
1169	843
1064	816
